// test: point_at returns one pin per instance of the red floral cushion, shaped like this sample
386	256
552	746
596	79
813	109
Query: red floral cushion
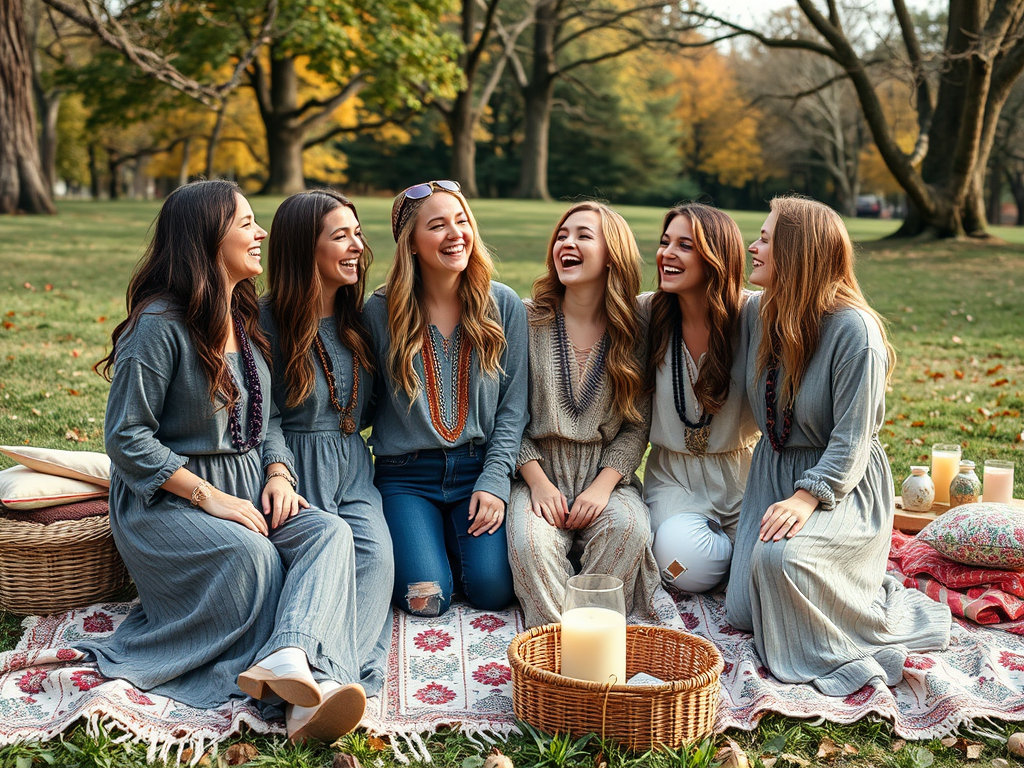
985	534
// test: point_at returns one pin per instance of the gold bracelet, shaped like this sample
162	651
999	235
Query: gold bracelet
280	473
201	493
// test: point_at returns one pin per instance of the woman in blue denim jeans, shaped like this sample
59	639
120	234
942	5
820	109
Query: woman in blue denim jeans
451	346
323	364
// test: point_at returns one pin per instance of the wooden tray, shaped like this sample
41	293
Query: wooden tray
912	522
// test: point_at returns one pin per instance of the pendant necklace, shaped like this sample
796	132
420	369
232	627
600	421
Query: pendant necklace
695	434
346	417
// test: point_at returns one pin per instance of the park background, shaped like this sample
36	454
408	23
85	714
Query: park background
907	117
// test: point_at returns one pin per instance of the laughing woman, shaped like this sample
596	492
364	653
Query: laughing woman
808	573
579	493
451	348
323	365
702	429
227	557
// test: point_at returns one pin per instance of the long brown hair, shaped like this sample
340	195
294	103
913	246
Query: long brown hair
407	315
718	242
620	304
812	275
183	266
294	283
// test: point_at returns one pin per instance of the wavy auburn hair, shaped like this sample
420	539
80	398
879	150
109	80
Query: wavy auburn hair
407	314
625	266
294	284
718	242
812	275
183	266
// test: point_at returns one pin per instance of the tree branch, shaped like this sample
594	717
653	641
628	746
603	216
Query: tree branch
362	126
354	86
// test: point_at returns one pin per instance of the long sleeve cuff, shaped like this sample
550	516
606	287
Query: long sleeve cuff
820	490
528	451
172	463
496	482
623	462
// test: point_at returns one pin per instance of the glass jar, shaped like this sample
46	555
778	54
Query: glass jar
594	629
918	490
965	487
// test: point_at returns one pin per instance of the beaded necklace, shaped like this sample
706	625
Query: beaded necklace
346	419
251	381
695	434
778	442
449	425
589	384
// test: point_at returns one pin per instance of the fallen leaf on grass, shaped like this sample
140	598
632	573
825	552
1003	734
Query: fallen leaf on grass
768	762
958	374
970	749
827	749
237	754
28	286
103	319
1000	762
8	325
850	749
36	412
74	392
10	313
997	368
1000	382
497	760
795	759
346	761
76	353
957	340
731	755
376	743
917	423
985	412
898	745
75	435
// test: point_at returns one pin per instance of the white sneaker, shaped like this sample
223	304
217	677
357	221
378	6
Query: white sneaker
339	713
285	673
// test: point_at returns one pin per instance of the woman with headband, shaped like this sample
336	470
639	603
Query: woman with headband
451	348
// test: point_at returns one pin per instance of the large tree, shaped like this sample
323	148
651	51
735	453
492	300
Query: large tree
959	97
22	183
388	54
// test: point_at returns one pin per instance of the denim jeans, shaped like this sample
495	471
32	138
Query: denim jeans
426	503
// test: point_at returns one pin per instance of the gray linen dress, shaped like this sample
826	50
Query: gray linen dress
215	597
335	473
572	451
820	604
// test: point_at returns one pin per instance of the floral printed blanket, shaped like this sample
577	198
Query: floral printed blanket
453	671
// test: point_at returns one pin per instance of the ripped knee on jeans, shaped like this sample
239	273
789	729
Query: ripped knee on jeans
424	598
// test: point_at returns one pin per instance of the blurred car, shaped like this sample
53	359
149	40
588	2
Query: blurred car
871	206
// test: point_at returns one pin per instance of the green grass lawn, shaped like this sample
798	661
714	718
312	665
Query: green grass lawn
955	312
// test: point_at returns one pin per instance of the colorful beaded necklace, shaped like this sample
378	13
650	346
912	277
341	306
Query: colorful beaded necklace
695	434
251	381
590	383
449	425
778	442
346	417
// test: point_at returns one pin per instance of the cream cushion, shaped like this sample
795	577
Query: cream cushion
24	488
88	466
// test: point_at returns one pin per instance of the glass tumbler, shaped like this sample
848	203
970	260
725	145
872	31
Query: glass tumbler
998	481
594	629
945	465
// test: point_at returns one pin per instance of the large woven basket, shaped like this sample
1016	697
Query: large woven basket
56	567
639	716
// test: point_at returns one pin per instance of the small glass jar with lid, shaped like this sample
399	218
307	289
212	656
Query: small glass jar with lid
965	487
918	491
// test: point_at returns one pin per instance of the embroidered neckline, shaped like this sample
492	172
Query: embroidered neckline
251	382
346	414
590	384
448	424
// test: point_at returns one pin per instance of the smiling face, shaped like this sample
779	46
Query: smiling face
240	248
339	249
680	267
579	251
761	249
442	238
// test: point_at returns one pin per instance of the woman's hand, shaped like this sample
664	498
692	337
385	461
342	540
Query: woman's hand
241	511
547	502
787	517
486	511
280	501
592	502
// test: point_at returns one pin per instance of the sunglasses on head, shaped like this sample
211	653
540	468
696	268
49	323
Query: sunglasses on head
417	192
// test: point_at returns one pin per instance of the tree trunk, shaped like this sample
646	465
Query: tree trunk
995	193
94	173
186	158
211	145
538	95
284	138
462	123
114	183
1016	180
22	184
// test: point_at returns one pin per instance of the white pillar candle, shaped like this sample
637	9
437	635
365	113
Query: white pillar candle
998	481
945	465
594	645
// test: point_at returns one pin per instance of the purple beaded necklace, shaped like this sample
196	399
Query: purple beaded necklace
778	441
251	378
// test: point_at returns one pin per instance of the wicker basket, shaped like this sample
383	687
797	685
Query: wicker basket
53	568
638	716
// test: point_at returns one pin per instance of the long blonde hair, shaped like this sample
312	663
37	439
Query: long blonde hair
718	242
624	367
812	275
407	314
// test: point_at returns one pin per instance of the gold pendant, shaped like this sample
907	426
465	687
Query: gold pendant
696	440
348	425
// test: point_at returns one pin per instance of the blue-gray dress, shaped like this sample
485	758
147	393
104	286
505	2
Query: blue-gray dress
820	604
215	597
335	473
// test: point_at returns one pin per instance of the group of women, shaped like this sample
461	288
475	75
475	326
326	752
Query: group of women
268	546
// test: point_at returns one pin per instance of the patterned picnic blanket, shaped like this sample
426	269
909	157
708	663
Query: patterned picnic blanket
453	671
